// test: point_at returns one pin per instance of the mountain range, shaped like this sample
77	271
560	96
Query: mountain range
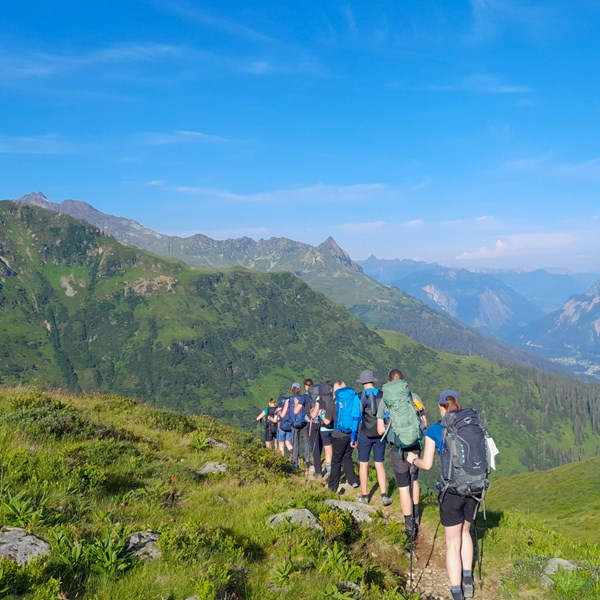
477	299
79	310
325	267
571	334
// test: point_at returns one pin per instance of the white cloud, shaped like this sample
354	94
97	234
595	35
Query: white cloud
480	84
521	245
41	144
179	137
362	227
319	193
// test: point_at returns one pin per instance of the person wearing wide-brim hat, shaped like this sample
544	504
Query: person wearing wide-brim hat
369	439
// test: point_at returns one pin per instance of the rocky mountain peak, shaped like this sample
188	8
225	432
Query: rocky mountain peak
333	249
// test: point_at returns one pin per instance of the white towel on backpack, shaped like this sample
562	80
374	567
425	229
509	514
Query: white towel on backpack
492	451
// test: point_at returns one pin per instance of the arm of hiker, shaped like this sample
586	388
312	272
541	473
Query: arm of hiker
382	414
316	409
426	462
284	410
261	415
356	418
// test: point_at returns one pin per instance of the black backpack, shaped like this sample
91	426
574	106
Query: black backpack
315	396
369	403
465	460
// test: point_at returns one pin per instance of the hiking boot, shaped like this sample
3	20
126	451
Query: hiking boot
363	498
385	500
355	484
468	587
341	491
456	595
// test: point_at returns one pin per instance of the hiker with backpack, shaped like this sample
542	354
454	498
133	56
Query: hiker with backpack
299	406
369	440
462	444
284	433
399	423
313	392
269	416
326	405
344	416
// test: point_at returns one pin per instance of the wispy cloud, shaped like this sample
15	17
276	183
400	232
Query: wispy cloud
362	227
211	20
547	165
319	193
41	144
520	245
480	84
490	18
179	137
40	64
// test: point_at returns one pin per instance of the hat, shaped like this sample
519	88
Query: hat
366	376
295	385
442	399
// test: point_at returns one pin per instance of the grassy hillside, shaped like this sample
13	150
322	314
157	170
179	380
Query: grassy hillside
565	499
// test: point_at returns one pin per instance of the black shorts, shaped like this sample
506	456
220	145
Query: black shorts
455	509
270	434
401	466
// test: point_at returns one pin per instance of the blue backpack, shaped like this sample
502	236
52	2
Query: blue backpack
298	420
344	401
286	422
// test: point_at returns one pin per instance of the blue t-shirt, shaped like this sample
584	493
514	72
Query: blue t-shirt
436	433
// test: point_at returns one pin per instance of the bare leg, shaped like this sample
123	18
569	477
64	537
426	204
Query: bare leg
466	550
381	477
363	471
454	539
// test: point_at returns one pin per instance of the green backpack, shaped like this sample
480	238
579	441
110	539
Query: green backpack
405	425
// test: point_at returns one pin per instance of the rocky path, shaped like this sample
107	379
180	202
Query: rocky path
429	568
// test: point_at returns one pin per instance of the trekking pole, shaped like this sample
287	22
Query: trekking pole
411	479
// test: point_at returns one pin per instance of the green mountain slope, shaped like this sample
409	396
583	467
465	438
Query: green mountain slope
566	499
326	268
79	309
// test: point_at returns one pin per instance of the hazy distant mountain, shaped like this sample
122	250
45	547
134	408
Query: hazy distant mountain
477	299
326	267
571	334
547	290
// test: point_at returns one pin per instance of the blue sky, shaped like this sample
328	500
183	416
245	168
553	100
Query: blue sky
461	132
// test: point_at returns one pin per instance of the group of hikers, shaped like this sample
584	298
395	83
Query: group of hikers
331	419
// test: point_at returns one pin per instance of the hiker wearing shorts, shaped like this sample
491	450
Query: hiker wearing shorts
327	403
284	433
369	440
268	415
407	478
299	429
313	393
457	513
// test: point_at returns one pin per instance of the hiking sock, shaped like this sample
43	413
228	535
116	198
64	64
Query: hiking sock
327	469
409	526
468	586
456	593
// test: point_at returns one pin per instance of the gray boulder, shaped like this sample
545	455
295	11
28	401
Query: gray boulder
299	516
362	513
20	546
212	468
553	565
143	545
